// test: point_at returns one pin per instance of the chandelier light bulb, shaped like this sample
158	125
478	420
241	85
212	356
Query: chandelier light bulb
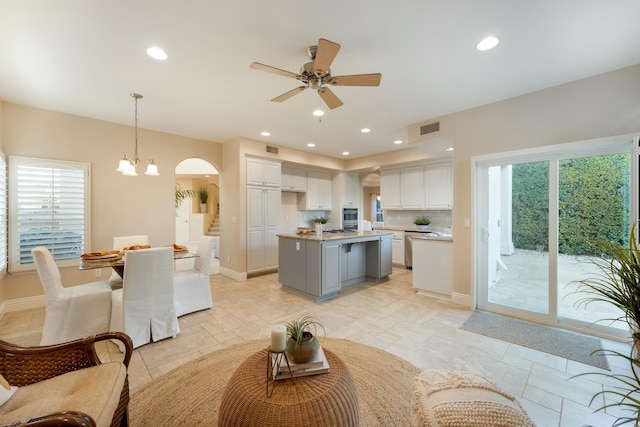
127	166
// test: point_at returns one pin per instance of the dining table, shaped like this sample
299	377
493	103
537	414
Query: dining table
115	260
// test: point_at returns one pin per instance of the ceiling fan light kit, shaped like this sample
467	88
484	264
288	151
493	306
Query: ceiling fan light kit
317	74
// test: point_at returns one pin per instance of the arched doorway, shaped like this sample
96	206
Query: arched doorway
193	218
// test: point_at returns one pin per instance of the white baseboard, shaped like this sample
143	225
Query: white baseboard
462	299
433	294
240	277
24	303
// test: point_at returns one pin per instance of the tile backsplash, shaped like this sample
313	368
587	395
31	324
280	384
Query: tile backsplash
439	218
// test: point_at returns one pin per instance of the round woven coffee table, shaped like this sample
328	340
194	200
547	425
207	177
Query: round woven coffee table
329	399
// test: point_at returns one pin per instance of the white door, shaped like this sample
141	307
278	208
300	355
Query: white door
182	221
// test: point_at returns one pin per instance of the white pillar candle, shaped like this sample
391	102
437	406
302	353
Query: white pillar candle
278	338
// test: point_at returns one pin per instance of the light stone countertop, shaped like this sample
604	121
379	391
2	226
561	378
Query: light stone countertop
433	236
335	236
429	234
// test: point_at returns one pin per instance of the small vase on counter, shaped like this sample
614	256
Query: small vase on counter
318	229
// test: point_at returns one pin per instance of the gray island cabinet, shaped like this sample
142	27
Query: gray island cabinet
319	267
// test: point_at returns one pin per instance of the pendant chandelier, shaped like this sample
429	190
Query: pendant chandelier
127	166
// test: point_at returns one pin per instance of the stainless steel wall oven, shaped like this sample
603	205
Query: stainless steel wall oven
350	218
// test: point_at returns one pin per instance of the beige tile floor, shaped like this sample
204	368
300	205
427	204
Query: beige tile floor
387	315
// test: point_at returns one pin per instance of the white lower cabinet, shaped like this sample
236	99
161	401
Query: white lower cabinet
397	248
263	212
433	267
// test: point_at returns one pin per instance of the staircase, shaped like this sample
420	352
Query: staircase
214	227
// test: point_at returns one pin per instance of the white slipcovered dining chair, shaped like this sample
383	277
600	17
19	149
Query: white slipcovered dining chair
193	289
120	242
144	307
73	312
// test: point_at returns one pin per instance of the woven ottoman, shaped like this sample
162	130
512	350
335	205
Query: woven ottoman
324	400
451	398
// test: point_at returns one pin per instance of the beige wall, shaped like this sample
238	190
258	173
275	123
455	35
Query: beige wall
120	205
605	105
600	106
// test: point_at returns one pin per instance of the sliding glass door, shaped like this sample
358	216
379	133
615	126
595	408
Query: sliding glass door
538	215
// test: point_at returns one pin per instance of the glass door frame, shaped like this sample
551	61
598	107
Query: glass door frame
552	154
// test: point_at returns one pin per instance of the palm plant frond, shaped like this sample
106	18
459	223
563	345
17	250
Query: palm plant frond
625	395
617	281
182	195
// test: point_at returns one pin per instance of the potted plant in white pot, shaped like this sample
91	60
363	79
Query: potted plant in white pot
320	222
203	194
422	222
302	342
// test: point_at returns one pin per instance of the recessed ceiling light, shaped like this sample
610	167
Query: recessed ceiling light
345	153
311	144
265	133
488	43
397	142
157	53
365	130
449	149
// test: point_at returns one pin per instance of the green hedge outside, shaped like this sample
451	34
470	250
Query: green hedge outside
593	200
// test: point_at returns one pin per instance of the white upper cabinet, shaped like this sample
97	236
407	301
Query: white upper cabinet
263	173
351	189
438	186
318	196
390	189
412	187
402	188
293	179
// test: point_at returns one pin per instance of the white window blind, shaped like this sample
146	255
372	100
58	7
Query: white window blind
3	215
49	201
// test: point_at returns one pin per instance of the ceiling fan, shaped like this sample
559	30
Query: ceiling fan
316	74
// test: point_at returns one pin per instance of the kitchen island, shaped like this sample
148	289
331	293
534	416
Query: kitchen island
319	267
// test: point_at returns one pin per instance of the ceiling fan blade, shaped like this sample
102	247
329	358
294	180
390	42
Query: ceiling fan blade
356	80
325	54
270	69
289	94
329	98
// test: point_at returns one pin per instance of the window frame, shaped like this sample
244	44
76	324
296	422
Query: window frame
4	221
15	162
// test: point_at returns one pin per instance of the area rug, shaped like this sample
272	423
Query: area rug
567	344
190	394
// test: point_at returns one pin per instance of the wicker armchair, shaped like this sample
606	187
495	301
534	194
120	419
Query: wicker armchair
22	366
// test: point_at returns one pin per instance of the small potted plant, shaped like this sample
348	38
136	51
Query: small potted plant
422	222
302	343
321	220
203	194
